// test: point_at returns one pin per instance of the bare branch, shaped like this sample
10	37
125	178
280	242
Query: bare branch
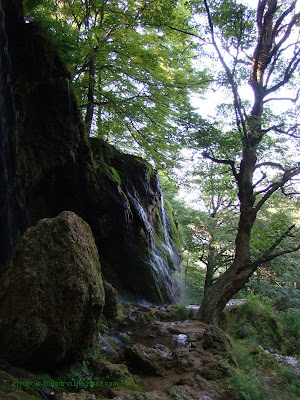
264	175
268	256
239	110
293	100
288	194
292	128
263	190
225	162
290	69
271	128
270	164
288	175
275	255
288	30
281	18
185	32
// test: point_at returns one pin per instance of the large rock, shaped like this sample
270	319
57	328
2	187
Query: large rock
111	301
150	360
51	295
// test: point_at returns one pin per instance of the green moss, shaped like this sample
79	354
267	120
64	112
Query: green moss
130	384
120	312
112	173
175	230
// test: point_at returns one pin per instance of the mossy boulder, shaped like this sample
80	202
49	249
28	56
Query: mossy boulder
111	301
51	294
10	389
216	342
150	360
109	371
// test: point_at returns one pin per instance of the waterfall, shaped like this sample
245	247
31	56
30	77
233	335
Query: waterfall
137	206
159	245
173	254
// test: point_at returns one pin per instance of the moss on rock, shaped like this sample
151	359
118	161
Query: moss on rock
51	293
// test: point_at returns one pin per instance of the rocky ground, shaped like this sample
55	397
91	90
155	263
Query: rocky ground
150	354
150	357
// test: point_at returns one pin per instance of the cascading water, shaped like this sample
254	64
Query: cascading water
160	264
173	254
137	205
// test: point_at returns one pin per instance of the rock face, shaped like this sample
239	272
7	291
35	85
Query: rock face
134	234
51	294
48	165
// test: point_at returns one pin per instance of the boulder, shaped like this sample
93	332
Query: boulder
111	301
151	360
109	371
216	342
51	294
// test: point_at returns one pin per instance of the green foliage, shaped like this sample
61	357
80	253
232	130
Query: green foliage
182	313
255	320
283	298
131	73
250	387
272	221
258	322
249	379
80	372
290	320
292	380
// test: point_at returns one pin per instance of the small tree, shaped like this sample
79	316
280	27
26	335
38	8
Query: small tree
215	227
272	66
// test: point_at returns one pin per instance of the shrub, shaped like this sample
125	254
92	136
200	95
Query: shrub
255	320
291	326
182	313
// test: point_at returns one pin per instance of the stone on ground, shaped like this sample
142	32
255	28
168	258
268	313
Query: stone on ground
51	294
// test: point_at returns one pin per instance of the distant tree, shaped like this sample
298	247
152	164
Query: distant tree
213	227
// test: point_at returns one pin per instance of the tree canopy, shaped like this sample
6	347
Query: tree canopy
132	74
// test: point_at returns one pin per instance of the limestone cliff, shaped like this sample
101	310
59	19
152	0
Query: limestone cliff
48	165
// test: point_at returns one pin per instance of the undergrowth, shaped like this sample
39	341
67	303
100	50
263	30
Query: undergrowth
253	327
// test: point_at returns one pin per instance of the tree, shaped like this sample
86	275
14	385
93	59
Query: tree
132	78
273	65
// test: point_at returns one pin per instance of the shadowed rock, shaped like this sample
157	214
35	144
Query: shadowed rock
51	295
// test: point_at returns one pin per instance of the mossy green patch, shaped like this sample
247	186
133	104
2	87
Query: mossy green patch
255	320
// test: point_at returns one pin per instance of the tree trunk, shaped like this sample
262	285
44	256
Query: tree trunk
237	275
210	265
90	97
208	277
